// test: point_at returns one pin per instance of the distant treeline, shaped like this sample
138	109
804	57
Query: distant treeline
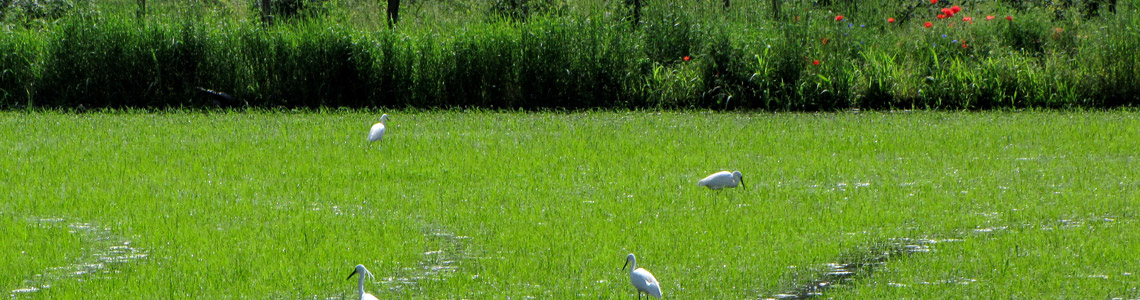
802	60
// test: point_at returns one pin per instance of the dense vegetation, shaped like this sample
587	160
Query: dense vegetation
781	55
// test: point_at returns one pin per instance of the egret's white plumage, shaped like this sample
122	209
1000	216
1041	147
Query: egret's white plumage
360	287
722	179
377	132
642	279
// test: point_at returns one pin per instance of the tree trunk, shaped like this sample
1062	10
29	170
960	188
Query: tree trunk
393	13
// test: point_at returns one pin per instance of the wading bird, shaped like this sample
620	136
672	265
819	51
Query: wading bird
722	179
360	287
642	279
377	132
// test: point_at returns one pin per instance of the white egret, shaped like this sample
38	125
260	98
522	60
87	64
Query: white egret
360	288
722	179
377	132
642	279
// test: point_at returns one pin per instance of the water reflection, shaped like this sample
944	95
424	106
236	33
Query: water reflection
107	250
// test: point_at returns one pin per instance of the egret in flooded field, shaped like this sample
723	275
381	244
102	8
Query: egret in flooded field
360	287
722	179
641	279
377	132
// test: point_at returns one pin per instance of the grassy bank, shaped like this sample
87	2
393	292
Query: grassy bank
580	55
502	205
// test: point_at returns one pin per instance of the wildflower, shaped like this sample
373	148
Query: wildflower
967	19
943	36
825	40
839	18
890	20
1009	18
815	62
955	9
963	45
933	1
686	58
989	18
954	41
940	17
927	25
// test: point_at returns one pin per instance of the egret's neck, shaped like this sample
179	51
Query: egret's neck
360	288
632	266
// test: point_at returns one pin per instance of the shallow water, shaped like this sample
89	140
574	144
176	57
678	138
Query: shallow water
437	263
858	265
107	250
861	265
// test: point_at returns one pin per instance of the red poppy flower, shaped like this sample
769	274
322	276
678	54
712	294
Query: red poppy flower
946	11
839	18
955	9
940	17
815	62
686	58
933	1
1010	18
989	18
890	20
927	25
963	45
967	19
825	40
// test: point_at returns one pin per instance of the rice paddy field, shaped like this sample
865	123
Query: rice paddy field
543	205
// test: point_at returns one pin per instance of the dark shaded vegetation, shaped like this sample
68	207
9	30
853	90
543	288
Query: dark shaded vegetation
554	55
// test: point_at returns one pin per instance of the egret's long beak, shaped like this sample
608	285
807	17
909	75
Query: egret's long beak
350	275
742	182
625	265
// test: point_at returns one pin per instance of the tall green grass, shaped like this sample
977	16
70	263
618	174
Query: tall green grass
582	55
283	204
